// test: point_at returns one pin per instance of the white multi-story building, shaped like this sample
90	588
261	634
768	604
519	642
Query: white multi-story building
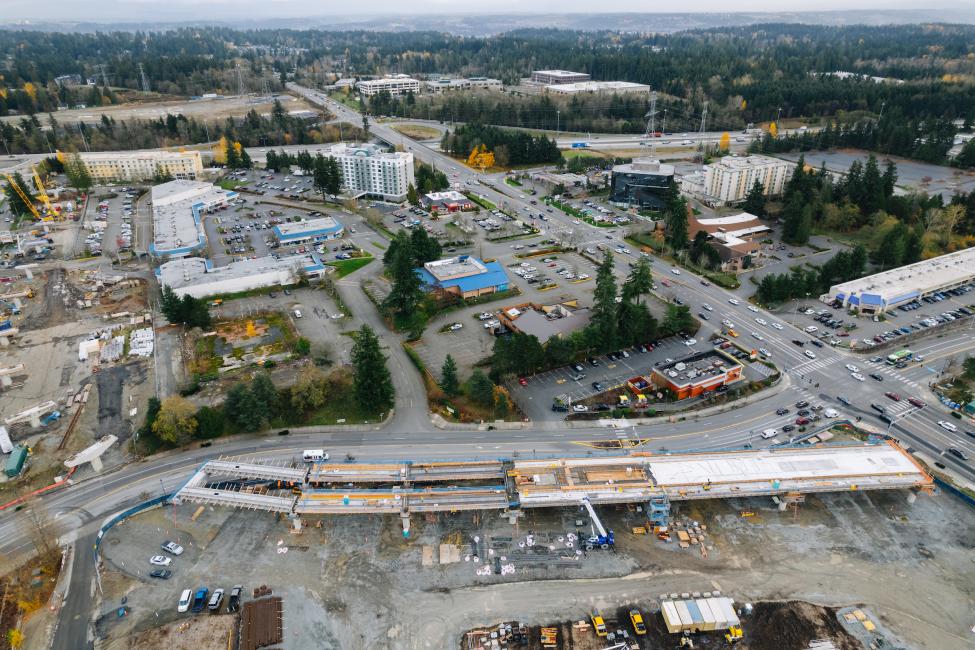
551	77
729	179
398	84
143	165
444	84
368	170
597	87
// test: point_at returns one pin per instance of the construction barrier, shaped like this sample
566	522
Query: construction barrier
948	487
125	514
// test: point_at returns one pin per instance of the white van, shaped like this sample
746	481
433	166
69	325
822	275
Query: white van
831	413
184	600
769	433
811	329
314	455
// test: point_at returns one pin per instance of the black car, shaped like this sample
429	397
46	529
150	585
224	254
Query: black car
781	411
234	603
162	574
818	344
801	405
798	342
593	361
879	408
874	375
957	453
788	427
803	412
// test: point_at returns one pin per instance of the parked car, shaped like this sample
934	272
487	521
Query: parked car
172	547
162	574
184	601
234	603
216	600
200	599
160	560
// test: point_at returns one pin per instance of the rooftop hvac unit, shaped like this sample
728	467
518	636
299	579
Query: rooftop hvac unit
680	365
671	374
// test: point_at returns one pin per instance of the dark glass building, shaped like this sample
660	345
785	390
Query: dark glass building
644	183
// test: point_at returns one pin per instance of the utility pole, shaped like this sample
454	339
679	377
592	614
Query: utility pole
882	104
240	81
778	117
101	68
145	79
663	122
650	123
557	116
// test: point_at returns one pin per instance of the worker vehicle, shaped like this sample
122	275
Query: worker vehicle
636	619
184	601
314	455
600	537
200	599
216	600
733	635
598	624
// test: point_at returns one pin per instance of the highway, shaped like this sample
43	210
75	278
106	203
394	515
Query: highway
80	508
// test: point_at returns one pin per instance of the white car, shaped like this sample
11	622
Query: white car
583	276
297	313
777	326
172	547
812	328
690	342
753	308
727	323
769	433
947	426
810	354
757	336
675	271
852	368
160	560
184	601
733	301
580	408
858	376
809	312
491	324
456	326
761	321
707	307
485	315
764	352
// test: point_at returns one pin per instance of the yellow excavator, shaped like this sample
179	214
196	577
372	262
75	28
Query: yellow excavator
733	635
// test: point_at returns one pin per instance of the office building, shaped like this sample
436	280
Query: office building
729	179
398	84
880	292
310	231
698	373
464	276
142	165
367	170
600	87
643	183
446	84
552	77
177	213
195	276
733	236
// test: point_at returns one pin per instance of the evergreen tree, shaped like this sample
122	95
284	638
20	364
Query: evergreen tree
411	195
872	188
372	383
77	171
448	377
425	248
677	229
480	389
603	319
406	290
889	179
755	200
640	280
265	394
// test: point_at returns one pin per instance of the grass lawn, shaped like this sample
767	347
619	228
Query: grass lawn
345	267
416	131
341	407
230	184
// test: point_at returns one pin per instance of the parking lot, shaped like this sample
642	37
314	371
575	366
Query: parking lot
835	326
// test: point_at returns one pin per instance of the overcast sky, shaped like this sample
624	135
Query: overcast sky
169	10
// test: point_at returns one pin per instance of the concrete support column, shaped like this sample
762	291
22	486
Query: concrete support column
96	463
28	274
5	381
911	497
296	524
404	516
782	506
35	420
4	341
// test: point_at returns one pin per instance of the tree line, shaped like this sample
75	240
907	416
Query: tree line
509	147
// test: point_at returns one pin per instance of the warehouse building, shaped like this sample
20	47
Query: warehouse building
195	276
177	213
643	183
598	87
697	374
880	292
729	179
367	170
399	84
464	276
552	77
142	165
310	231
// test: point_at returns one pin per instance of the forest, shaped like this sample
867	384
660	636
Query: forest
509	147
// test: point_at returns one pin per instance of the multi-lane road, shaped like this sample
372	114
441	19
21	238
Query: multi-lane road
80	508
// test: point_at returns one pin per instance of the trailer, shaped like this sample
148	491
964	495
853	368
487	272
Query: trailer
6	446
15	464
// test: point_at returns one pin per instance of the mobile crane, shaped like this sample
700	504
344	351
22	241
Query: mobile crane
600	536
42	194
28	201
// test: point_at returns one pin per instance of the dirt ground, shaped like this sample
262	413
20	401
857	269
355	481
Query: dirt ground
354	581
199	633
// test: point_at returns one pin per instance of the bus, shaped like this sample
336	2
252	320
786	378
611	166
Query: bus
900	355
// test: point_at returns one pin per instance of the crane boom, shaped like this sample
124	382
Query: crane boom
594	517
28	201
42	193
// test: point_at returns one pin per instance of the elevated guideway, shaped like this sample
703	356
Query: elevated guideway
510	486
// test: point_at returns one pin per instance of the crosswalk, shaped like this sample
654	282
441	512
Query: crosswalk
837	364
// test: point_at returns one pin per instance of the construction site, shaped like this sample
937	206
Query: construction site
548	544
75	347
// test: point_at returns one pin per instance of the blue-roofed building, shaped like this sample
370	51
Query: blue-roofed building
311	231
464	276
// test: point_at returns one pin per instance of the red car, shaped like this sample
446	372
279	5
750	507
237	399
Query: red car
802	421
915	402
893	396
523	381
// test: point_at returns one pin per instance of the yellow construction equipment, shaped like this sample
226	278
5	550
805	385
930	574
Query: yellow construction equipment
733	635
23	195
42	195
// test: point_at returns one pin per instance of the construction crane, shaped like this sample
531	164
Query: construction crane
42	194
28	201
600	536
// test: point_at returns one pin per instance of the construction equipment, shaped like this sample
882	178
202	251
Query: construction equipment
598	624
42	195
733	635
636	619
600	536
28	201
